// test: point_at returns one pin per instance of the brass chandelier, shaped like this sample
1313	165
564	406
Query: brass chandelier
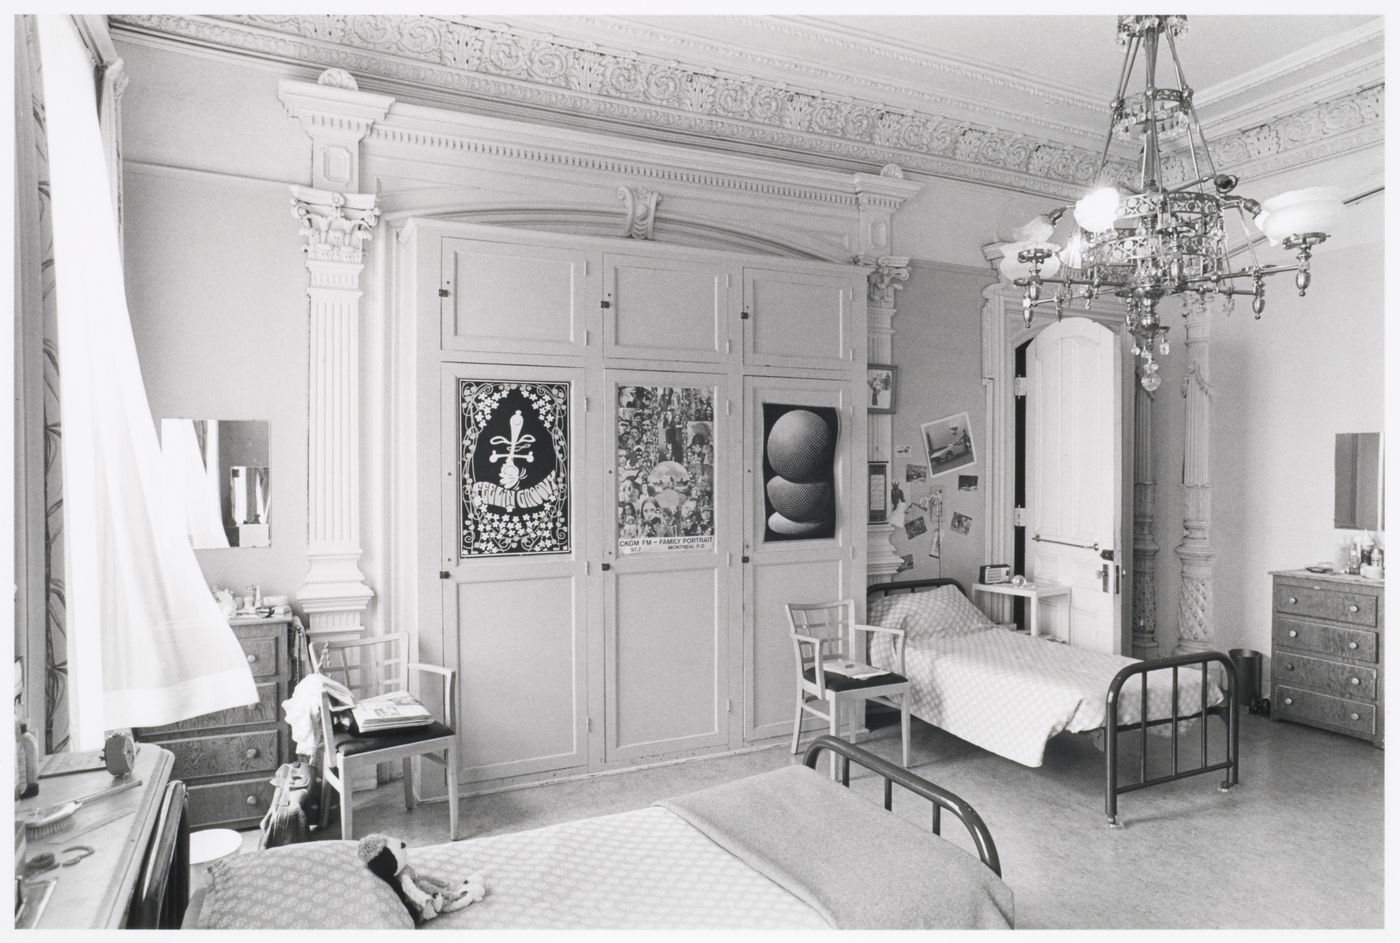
1164	231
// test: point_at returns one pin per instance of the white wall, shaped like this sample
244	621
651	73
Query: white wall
215	274
938	354
1284	386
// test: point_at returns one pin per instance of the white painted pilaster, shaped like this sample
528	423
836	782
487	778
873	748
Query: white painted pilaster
877	198
336	222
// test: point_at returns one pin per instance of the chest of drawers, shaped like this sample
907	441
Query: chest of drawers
1328	667
228	757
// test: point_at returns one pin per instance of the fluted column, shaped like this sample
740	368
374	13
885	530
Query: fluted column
335	227
882	560
1144	541
1196	620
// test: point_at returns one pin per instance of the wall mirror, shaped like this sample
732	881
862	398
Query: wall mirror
218	488
1358	482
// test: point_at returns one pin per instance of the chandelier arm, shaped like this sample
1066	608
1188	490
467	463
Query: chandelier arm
1129	59
1152	157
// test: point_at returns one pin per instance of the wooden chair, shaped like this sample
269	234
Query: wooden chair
377	666
163	886
823	631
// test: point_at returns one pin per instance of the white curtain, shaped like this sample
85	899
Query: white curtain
146	642
192	483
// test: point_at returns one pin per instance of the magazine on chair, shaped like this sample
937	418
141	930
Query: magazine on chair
851	669
392	711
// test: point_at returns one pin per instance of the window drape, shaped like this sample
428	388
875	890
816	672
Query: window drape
146	643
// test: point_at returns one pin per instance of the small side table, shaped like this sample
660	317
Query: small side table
207	846
1035	592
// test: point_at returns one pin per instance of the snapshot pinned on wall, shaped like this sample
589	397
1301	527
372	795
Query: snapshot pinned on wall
879	488
880	379
799	472
967	482
948	442
906	562
902	449
961	524
514	464
914	526
914	472
665	468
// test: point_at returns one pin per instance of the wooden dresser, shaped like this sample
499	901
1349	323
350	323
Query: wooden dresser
1329	652
228	757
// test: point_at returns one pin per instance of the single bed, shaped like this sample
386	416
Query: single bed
1009	692
786	849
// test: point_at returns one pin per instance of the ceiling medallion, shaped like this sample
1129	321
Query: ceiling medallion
1141	240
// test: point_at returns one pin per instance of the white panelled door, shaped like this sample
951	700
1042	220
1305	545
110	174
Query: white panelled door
1073	479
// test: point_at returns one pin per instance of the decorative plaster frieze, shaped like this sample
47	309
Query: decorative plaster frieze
640	205
334	226
735	112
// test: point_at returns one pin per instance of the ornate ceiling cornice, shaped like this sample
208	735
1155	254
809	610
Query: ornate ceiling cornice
613	89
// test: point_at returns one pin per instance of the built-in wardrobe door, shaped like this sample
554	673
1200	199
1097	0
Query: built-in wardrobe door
802	514
667	570
797	318
516	510
514	297
656	307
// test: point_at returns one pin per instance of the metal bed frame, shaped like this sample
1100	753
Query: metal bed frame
891	774
1228	710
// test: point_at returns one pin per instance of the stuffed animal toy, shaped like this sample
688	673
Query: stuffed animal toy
424	896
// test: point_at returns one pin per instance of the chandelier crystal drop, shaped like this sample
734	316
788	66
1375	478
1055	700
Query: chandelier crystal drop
1163	232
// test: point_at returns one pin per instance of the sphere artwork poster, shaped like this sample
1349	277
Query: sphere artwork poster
799	472
665	469
514	464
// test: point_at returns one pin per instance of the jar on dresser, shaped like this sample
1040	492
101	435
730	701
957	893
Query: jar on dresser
227	758
1328	667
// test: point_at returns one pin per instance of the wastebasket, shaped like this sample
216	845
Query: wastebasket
1248	668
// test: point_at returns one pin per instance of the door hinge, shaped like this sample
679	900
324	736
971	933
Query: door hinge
728	705
587	338
587	404
589	724
1019	386
728	407
1019	517
605	304
444	293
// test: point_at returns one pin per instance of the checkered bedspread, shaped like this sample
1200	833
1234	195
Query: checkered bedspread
1009	693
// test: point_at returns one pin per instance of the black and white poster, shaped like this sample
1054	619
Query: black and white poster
665	469
514	464
799	472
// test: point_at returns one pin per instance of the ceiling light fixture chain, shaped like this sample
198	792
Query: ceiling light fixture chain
1143	240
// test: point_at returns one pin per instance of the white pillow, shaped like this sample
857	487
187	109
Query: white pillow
939	613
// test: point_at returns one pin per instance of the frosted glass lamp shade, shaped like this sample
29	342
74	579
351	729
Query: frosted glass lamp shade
1314	209
1098	211
1012	268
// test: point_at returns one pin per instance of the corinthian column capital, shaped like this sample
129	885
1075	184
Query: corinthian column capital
334	226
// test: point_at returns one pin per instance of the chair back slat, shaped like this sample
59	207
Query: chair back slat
366	666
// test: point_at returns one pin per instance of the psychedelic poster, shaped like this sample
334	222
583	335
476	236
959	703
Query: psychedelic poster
665	469
514	464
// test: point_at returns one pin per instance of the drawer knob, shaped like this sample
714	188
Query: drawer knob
1292	633
1289	666
251	800
252	659
1292	600
1353	608
1351	645
252	753
1355	715
1355	681
1288	700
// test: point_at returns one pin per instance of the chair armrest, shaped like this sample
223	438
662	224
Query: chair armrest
896	631
449	688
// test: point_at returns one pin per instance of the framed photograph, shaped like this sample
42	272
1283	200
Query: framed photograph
880	379
799	472
948	442
879	491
